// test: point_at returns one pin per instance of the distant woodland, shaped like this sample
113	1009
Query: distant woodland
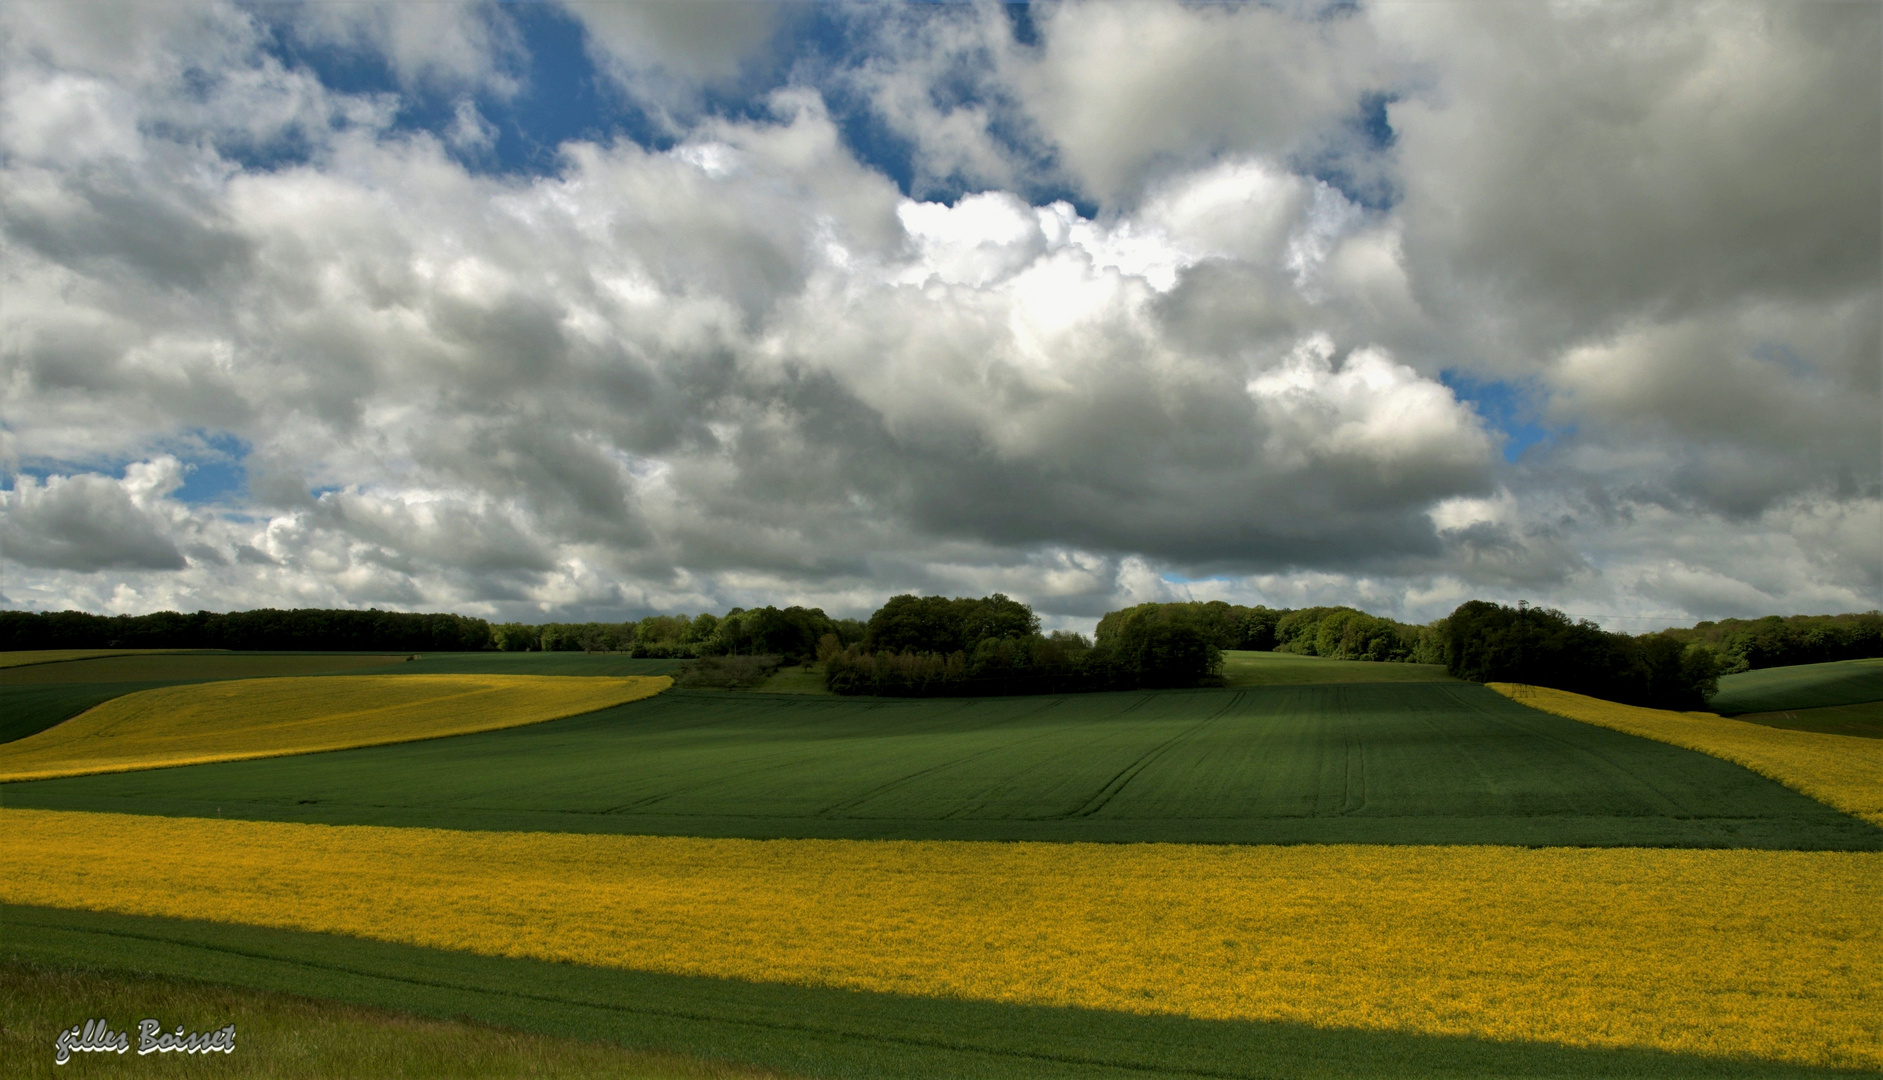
942	646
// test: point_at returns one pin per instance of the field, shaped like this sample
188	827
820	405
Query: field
1414	763
1841	771
54	656
1807	686
1640	948
251	718
1410	878
1286	669
281	1035
1864	721
34	695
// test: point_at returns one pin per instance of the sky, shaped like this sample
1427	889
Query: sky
558	311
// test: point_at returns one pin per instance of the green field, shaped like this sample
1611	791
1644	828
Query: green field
814	1032
1806	686
1285	669
1426	763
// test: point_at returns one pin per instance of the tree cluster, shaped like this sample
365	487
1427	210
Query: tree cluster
791	632
934	646
302	629
1781	641
1487	642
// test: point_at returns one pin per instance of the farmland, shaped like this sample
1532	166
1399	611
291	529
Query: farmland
1640	947
282	1035
1384	875
1843	772
1807	686
1415	763
1243	668
250	718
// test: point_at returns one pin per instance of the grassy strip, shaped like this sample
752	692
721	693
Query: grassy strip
1432	763
255	718
1718	952
56	656
281	1036
825	1033
1838	770
1805	686
1865	721
1286	669
198	667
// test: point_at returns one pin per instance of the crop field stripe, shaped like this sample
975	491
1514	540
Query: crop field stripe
1771	954
1839	770
1436	763
256	718
829	1033
1805	686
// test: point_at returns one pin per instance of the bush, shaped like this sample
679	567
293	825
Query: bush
725	672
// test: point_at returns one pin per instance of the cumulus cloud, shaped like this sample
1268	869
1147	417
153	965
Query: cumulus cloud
742	363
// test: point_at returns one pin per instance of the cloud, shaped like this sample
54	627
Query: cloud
1122	337
90	522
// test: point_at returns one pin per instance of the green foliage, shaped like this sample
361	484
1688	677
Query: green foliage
936	624
1784	641
1406	763
932	646
726	672
1488	642
269	629
809	1030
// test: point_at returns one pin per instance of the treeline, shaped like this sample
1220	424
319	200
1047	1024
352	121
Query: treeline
933	646
1487	642
1782	641
1340	633
792	633
301	629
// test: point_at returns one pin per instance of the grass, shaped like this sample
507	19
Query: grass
1839	770
796	680
283	1036
1805	686
1865	721
54	656
1431	763
1284	669
822	1032
196	667
252	718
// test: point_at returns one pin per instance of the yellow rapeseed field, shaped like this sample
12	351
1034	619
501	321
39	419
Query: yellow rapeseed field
251	718
1844	771
1768	953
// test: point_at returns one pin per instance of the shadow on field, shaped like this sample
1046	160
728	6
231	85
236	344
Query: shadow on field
814	1032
